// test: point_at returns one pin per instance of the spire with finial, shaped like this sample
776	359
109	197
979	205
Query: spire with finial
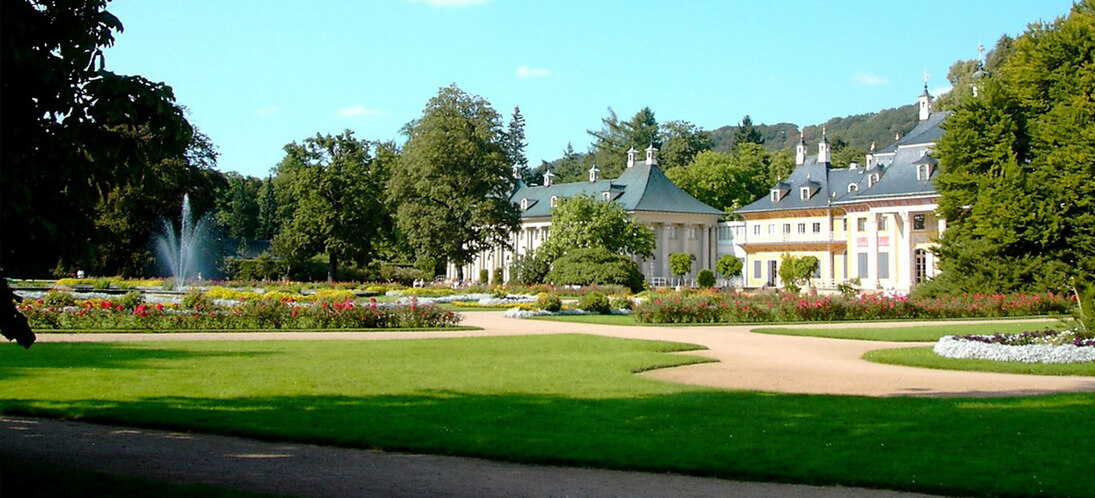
824	149
925	99
800	150
980	73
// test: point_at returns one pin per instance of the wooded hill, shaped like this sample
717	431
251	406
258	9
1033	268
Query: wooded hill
857	131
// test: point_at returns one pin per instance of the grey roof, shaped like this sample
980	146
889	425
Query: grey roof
925	131
897	178
639	188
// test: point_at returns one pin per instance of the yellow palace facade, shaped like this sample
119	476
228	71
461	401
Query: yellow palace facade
875	222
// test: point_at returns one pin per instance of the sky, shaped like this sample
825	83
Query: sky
256	75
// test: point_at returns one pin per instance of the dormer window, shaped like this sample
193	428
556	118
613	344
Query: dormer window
871	180
804	193
775	195
606	196
923	172
853	187
554	201
524	204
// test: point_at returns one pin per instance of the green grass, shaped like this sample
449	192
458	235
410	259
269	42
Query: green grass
563	399
916	333
247	331
38	479
924	357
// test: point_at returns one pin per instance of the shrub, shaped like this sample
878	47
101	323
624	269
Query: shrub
195	300
529	269
263	267
680	263
131	300
729	266
101	284
59	298
620	303
594	302
549	302
499	276
597	266
706	278
483	276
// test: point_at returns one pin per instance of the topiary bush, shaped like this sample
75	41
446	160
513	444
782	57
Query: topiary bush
595	302
484	276
597	266
706	278
499	276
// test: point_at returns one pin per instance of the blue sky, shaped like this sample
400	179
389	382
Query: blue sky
258	74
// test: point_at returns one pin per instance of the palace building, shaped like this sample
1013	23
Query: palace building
681	223
875	222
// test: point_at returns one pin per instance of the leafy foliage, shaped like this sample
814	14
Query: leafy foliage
336	187
680	263
529	269
595	266
729	266
726	181
1016	167
77	139
583	222
595	302
705	278
795	271
454	178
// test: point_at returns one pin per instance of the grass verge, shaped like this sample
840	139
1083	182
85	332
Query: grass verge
916	333
924	357
250	331
38	479
560	399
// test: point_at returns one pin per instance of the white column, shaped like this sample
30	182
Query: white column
665	251
907	261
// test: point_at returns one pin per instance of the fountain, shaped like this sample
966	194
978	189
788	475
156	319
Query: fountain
179	251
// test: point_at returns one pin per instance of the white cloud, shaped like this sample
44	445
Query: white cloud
532	72
359	111
869	79
269	110
941	90
451	3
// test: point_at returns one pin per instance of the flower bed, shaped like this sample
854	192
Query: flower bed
261	314
717	307
1047	346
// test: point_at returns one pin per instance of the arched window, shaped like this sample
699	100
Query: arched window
554	200
853	187
524	204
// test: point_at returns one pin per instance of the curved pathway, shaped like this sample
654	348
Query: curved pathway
748	361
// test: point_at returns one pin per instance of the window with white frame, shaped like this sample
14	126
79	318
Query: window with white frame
786	228
606	196
883	223
804	193
920	222
554	200
771	229
817	227
524	204
801	228
725	233
861	224
756	229
853	187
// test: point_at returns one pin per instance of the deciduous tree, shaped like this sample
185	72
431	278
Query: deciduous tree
582	222
453	180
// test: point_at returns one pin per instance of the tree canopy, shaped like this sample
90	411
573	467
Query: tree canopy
582	222
453	180
1017	163
73	132
337	186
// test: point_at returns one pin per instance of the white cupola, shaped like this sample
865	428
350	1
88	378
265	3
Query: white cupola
800	150
824	149
548	177
631	157
870	156
925	100
593	173
651	155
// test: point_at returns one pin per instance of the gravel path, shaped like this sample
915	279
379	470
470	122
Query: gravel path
306	470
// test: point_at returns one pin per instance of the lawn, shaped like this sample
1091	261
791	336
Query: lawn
564	399
926	358
914	333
